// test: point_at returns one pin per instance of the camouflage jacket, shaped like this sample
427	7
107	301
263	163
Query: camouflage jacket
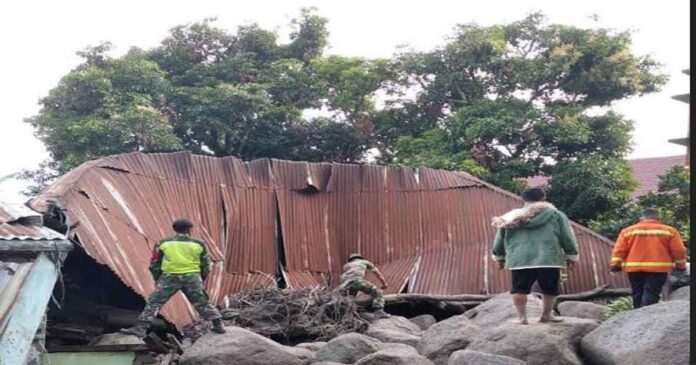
355	270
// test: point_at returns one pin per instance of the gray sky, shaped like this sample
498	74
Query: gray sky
40	39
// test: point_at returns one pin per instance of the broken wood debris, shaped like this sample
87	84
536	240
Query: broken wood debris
295	315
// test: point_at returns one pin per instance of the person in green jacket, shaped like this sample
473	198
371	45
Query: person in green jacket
534	242
178	263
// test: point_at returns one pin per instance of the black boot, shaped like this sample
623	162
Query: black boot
218	326
139	330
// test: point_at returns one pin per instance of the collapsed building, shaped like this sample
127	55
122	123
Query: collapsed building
268	221
31	256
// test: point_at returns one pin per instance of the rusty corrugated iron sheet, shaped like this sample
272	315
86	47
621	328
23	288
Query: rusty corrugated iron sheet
427	230
17	222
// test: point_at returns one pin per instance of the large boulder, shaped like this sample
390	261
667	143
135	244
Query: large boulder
683	293
656	334
396	347
499	310
526	343
395	329
424	321
347	348
311	346
240	346
467	357
578	309
443	338
572	330
395	356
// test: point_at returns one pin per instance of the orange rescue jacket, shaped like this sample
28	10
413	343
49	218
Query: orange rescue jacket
649	246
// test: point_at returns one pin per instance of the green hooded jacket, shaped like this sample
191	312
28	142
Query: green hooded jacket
535	236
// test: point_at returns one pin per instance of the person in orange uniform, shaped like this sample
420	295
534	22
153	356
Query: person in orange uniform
647	252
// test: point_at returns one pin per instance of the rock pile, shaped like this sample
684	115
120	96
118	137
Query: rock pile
487	335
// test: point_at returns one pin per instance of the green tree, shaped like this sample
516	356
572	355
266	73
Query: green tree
672	200
502	102
587	187
213	92
518	100
103	107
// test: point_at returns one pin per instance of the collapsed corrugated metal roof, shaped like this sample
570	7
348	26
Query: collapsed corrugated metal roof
426	229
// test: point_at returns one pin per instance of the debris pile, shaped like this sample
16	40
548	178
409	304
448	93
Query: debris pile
295	315
486	334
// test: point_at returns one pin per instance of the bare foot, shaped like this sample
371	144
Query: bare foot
550	319
523	320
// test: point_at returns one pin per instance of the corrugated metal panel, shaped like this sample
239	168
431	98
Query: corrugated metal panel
305	279
396	273
15	212
427	227
9	231
17	222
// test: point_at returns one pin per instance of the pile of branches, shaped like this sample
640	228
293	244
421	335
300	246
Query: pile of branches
292	315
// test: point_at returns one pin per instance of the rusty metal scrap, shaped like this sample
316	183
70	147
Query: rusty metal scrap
427	230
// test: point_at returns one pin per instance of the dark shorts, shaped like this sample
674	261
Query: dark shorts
547	277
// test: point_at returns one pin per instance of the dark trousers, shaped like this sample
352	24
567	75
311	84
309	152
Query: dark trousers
646	287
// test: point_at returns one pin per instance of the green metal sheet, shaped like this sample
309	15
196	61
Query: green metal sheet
27	312
91	358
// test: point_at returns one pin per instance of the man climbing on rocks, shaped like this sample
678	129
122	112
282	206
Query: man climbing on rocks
178	263
648	251
352	280
534	242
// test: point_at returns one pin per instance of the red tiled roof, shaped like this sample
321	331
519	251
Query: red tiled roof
645	170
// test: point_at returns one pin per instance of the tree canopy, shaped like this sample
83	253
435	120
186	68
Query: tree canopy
672	200
503	102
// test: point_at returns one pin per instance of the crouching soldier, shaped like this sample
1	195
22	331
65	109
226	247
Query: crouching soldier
178	263
352	281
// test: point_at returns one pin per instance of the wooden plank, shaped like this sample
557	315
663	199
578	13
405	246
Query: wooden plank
102	348
27	313
9	294
157	343
35	246
175	342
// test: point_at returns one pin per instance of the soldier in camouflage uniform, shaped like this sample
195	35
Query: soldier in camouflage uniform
178	263
352	280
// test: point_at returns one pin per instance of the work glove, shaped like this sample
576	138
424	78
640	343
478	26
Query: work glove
615	268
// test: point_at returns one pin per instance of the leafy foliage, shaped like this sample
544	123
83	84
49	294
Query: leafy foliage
586	187
619	305
214	92
672	200
516	99
502	102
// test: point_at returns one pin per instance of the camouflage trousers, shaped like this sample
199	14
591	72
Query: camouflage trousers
192	287
353	286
